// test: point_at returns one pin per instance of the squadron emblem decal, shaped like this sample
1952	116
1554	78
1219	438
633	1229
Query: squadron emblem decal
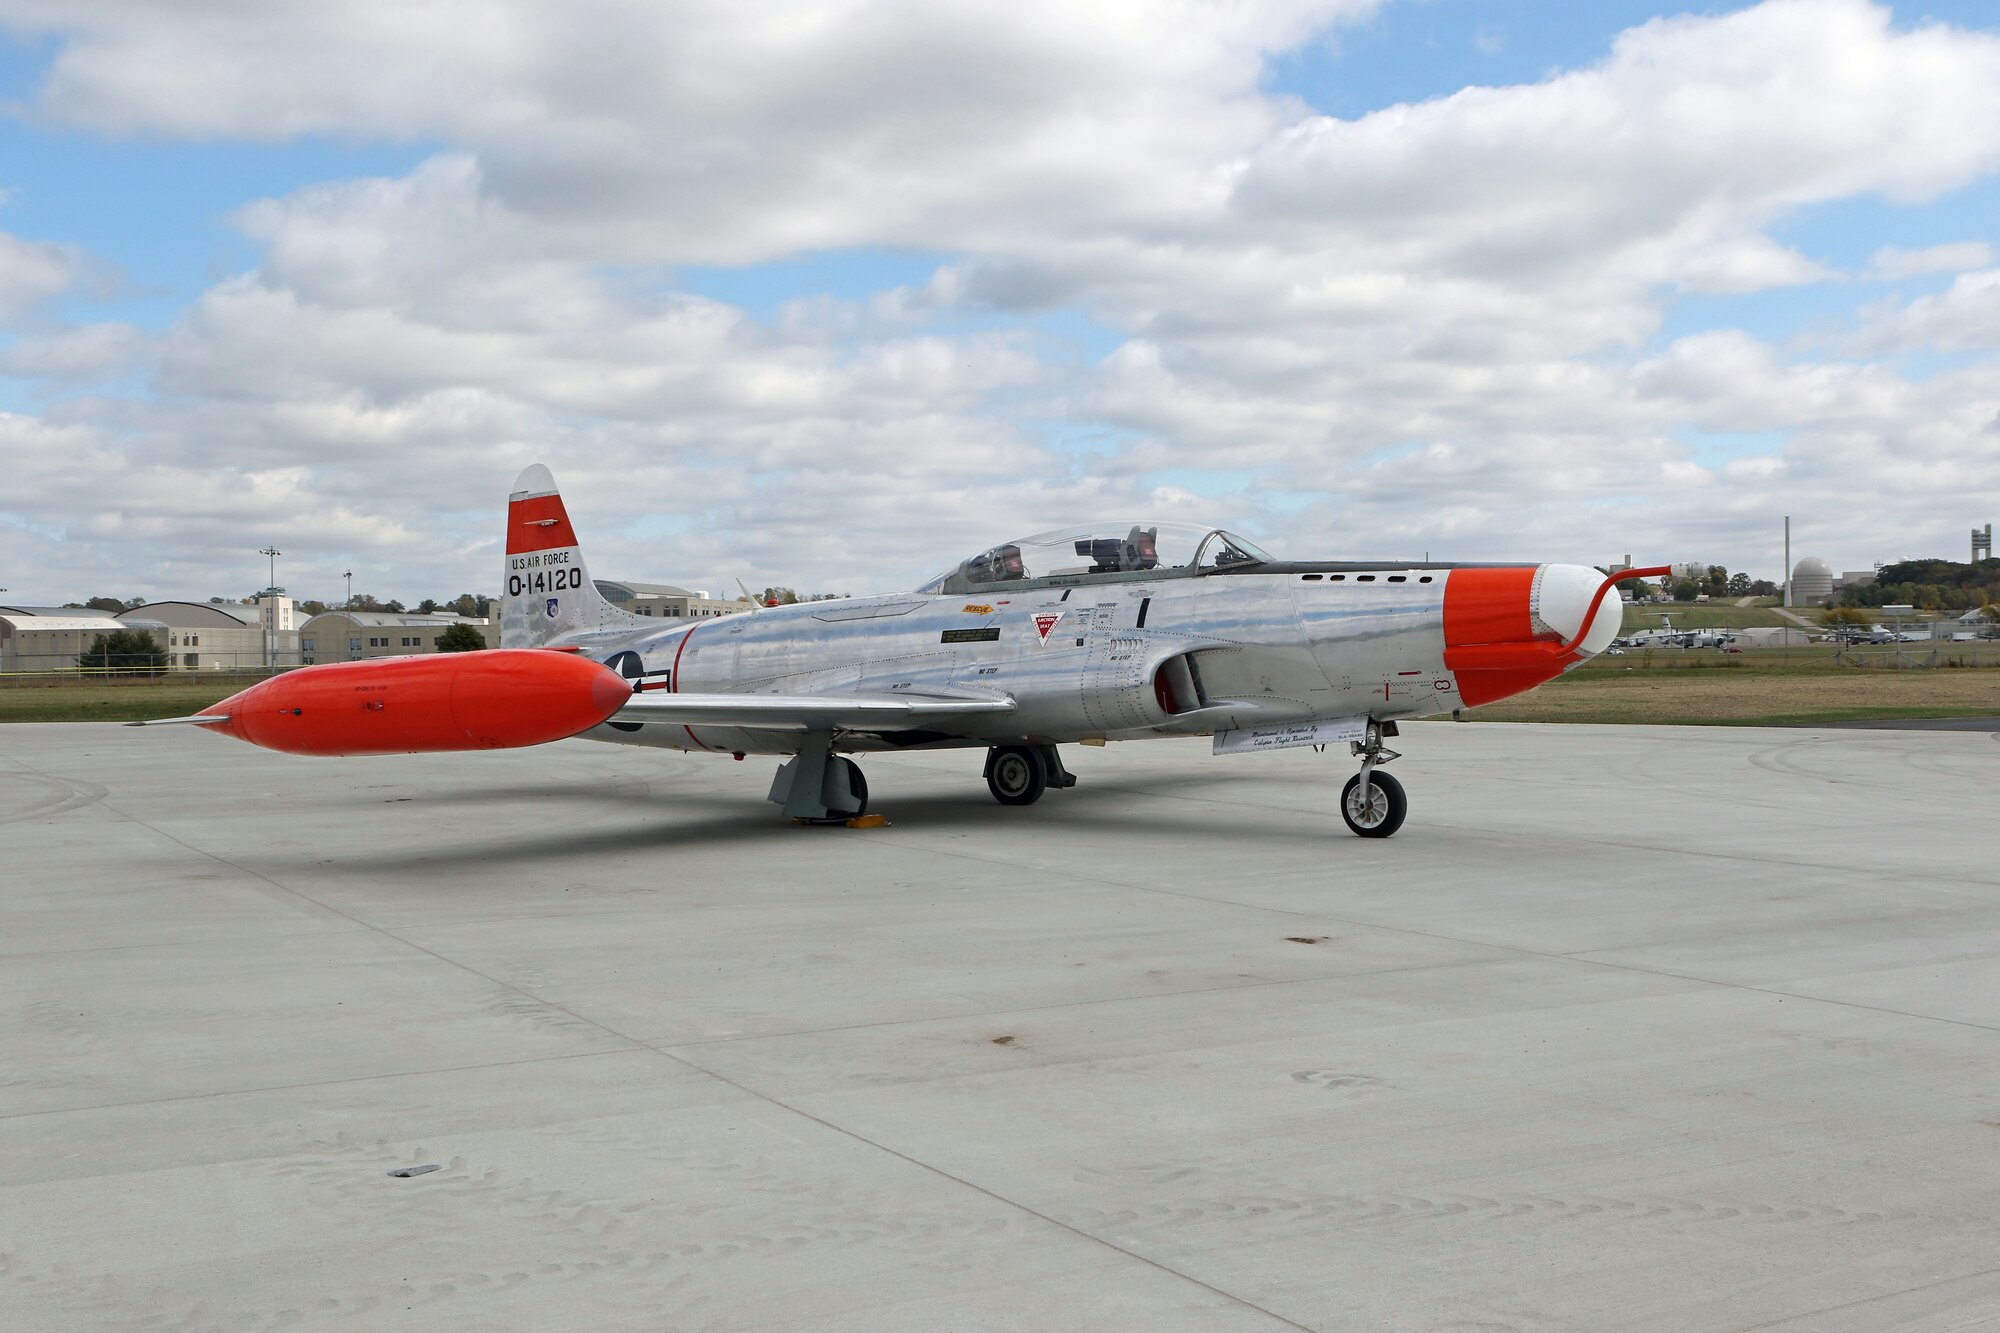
1045	623
549	608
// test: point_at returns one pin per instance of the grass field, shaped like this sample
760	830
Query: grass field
1767	686
1687	615
120	701
1770	687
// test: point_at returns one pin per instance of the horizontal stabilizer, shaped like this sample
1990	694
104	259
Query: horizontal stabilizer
809	712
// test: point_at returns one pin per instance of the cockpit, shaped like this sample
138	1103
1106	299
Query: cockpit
1101	552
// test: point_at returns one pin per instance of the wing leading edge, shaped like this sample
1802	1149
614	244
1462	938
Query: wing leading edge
808	712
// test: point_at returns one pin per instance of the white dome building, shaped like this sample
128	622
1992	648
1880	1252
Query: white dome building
1812	582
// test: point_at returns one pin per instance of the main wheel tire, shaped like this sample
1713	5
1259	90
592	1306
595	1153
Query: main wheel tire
1376	812
857	786
1016	775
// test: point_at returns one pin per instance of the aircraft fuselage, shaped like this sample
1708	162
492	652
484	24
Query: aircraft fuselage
1113	658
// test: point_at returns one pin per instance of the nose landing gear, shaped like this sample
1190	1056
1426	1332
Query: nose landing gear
1372	803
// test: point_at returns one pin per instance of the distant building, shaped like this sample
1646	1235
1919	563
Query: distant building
666	601
216	636
354	636
1855	578
49	638
1812	582
196	636
278	612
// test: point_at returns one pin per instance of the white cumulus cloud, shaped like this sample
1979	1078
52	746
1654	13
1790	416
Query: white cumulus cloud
1434	327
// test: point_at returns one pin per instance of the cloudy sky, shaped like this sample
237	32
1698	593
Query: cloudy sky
830	294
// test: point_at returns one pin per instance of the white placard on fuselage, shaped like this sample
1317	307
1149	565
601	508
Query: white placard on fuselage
1243	739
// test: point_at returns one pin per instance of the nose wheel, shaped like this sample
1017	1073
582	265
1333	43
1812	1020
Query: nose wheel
1375	808
1372	802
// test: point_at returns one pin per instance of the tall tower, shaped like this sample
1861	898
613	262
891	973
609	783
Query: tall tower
1788	561
1982	541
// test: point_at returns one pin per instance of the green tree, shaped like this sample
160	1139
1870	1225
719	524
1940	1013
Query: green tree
1686	590
1936	584
312	607
1739	584
1989	612
427	606
133	651
461	639
1716	582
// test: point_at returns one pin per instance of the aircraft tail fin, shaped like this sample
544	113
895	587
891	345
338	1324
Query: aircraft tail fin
547	591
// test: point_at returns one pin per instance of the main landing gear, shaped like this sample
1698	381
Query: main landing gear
1019	774
1373	803
817	786
820	787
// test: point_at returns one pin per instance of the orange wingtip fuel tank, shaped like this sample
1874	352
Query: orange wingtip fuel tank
492	700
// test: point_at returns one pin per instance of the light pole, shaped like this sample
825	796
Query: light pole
270	606
348	605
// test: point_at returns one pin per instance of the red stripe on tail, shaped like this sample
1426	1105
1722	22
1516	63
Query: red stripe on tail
538	523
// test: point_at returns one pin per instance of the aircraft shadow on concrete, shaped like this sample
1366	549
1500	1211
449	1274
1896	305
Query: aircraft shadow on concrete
681	820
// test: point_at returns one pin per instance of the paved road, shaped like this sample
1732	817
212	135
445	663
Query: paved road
1629	1029
1924	724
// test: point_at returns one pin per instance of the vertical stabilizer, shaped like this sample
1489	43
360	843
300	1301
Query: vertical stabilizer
547	592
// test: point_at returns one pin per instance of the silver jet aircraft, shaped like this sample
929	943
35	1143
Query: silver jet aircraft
1120	631
1111	632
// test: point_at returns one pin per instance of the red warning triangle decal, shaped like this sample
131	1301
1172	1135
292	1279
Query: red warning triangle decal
1045	621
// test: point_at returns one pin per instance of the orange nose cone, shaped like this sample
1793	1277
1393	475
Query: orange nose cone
493	700
1490	642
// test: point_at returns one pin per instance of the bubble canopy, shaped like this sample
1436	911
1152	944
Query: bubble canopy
1100	551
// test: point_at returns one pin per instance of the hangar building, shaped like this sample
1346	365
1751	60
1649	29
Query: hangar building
665	600
49	638
215	636
354	636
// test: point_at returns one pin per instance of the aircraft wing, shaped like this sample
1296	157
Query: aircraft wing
810	712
